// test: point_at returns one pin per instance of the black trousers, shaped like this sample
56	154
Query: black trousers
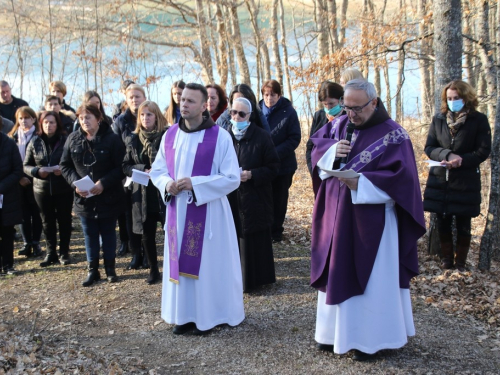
6	246
463	223
281	186
148	238
56	209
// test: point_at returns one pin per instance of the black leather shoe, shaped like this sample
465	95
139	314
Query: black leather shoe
183	328
325	347
136	262
37	250
64	259
154	276
363	357
123	248
26	251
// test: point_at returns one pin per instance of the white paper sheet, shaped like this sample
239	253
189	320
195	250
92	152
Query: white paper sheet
344	174
1	200
85	184
433	163
140	177
52	169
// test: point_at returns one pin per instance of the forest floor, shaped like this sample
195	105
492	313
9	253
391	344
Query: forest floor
50	324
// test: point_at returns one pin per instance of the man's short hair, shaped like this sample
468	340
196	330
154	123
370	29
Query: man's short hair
126	83
60	86
4	83
134	86
362	85
49	98
198	87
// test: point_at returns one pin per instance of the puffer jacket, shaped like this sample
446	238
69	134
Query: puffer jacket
285	132
107	150
11	171
38	155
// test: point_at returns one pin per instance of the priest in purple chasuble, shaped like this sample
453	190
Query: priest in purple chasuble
195	169
365	229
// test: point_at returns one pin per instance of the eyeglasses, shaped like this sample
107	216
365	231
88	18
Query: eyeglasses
89	155
233	112
353	109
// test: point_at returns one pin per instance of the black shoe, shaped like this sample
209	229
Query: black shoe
154	276
64	260
183	328
136	262
325	347
277	238
26	251
37	250
10	270
93	274
123	248
363	357
145	263
50	258
199	332
109	267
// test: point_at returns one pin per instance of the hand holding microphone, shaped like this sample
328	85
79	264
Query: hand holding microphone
344	146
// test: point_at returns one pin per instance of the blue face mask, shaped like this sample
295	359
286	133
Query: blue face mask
240	125
333	111
456	105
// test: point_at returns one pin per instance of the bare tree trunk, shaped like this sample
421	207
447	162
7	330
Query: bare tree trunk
332	25
222	46
238	45
468	46
51	45
423	63
275	43
321	28
20	60
285	51
388	98
399	86
489	240
447	44
262	50
230	55
206	56
343	23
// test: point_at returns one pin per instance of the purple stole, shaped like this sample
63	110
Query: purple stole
189	261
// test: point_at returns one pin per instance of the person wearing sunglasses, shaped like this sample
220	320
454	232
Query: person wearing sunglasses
252	202
95	151
329	96
365	228
285	132
53	195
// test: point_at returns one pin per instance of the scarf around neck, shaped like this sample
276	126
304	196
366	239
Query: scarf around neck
23	139
455	122
148	140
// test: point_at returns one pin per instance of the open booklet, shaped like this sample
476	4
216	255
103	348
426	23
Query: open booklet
344	174
85	184
140	177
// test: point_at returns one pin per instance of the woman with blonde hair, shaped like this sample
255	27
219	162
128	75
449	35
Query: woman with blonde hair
460	138
147	205
349	74
25	128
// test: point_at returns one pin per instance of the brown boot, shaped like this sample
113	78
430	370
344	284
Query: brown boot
446	240
463	244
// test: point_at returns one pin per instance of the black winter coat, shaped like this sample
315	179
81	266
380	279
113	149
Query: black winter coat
38	155
108	152
125	124
11	171
319	120
9	110
145	199
460	193
285	133
252	202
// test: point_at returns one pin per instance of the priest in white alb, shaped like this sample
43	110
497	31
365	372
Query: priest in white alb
196	167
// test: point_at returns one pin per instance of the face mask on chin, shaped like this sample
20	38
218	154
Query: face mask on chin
333	111
240	125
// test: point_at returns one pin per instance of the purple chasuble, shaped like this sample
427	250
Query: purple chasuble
189	261
345	236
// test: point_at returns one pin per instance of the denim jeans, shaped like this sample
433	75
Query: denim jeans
92	229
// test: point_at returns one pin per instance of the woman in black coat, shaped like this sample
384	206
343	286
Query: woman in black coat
460	138
11	171
95	151
52	193
25	128
285	133
252	202
147	205
329	95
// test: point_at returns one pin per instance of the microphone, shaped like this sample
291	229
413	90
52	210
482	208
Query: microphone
348	137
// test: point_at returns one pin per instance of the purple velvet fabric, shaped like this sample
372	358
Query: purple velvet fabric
346	237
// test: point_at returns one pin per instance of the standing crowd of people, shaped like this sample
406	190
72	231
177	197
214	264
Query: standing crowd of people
218	172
